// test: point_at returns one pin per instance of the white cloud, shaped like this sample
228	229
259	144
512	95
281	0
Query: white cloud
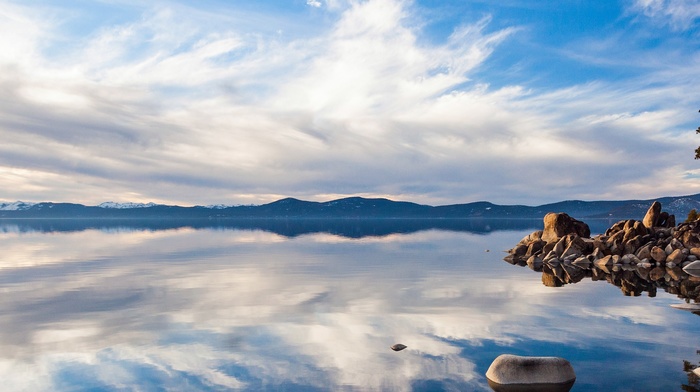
366	104
679	14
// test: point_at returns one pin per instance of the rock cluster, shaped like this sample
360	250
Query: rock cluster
634	255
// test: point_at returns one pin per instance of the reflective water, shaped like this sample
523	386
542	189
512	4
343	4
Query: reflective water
196	307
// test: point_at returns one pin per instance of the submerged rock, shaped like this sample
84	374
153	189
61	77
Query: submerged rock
512	372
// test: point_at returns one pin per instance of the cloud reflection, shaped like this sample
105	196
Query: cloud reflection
218	310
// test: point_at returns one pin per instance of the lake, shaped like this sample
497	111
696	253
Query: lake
314	305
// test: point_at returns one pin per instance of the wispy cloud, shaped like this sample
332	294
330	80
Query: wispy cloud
678	14
193	106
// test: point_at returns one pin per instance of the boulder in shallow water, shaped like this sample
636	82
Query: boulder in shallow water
515	373
557	225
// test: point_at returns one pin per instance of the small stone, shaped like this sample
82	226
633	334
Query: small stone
398	347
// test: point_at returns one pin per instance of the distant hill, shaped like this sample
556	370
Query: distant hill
351	207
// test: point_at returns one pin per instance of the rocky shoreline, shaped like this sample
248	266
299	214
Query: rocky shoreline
637	256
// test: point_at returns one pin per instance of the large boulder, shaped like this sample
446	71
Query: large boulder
652	216
545	373
557	225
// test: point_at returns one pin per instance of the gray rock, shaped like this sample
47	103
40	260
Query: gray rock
512	369
693	269
629	259
644	264
582	262
560	246
535	263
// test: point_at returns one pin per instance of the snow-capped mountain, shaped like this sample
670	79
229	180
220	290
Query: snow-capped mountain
218	206
16	206
121	206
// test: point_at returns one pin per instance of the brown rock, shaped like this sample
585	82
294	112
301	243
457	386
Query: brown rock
676	257
549	280
535	247
640	228
633	244
675	273
629	234
604	261
615	239
615	228
690	239
657	273
534	236
557	225
576	246
560	246
695	252
671	222
645	252
658	254
652	216
519	250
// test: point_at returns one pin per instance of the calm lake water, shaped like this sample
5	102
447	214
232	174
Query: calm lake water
289	306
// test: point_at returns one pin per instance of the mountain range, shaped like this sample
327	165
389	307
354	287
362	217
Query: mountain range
352	207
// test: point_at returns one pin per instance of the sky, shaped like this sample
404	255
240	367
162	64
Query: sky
436	102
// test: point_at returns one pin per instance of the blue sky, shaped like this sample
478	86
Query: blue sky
438	102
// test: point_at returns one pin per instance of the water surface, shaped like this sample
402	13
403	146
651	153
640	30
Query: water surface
186	307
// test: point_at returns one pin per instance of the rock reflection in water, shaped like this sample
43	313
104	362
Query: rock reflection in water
636	256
